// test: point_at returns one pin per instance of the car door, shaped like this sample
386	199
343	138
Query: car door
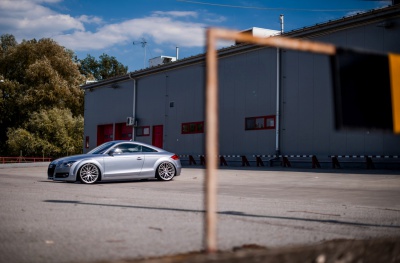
124	161
151	157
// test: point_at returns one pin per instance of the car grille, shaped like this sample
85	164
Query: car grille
50	171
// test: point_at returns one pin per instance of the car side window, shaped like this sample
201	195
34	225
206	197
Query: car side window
147	149
134	148
128	148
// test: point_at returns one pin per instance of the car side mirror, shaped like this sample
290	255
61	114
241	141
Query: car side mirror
111	152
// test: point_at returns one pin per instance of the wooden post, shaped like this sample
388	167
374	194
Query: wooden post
222	161
335	162
259	161
285	162
191	160
276	41
370	163
202	160
245	162
210	222
315	162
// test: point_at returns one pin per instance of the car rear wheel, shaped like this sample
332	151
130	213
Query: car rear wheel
165	171
89	173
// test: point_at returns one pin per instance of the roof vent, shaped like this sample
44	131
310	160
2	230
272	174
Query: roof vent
260	32
161	60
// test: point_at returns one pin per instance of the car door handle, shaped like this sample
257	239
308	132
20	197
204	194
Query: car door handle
139	158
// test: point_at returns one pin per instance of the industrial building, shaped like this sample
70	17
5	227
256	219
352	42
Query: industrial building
271	102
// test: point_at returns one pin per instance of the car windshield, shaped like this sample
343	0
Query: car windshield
102	148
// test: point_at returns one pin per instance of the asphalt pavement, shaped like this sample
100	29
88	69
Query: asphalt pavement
46	221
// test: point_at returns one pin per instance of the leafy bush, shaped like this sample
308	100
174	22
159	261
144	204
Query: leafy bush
55	132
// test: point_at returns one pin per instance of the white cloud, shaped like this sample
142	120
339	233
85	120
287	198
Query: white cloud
158	50
161	30
216	19
46	1
27	19
176	13
90	19
378	4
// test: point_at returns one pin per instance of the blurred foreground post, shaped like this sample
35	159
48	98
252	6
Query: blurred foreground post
210	224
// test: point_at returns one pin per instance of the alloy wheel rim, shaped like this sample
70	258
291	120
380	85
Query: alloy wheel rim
89	173
166	171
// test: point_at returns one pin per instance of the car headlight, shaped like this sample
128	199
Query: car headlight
68	164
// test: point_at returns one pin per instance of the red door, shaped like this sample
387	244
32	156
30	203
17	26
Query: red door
104	133
158	136
123	132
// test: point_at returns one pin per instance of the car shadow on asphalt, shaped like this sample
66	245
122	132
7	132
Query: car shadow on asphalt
229	213
107	182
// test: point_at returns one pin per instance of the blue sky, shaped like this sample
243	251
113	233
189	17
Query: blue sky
111	26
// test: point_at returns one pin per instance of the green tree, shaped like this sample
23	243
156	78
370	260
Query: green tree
7	41
106	67
89	67
54	132
42	77
46	74
36	75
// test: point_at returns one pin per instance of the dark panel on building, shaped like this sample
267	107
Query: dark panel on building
362	90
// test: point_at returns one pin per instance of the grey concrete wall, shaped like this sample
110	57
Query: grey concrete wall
185	88
306	108
106	105
247	88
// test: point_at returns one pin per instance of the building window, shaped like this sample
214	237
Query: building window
260	123
193	127
143	131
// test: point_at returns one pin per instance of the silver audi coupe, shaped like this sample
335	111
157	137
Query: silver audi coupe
116	160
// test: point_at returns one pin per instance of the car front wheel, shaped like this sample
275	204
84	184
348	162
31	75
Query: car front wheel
165	171
89	173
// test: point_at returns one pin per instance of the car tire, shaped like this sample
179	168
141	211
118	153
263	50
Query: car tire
165	171
89	173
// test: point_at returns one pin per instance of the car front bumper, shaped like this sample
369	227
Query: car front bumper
56	173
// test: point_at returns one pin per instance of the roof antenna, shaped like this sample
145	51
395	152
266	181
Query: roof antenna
143	42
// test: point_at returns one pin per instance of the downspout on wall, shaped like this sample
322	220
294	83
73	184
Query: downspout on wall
278	84
277	117
133	108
